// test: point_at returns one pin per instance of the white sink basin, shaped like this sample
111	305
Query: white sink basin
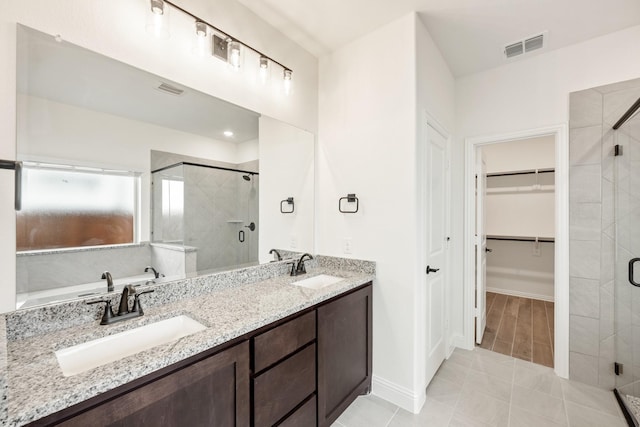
318	282
98	352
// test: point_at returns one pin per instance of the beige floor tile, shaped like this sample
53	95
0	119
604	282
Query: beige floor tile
592	397
481	407
536	377
495	364
539	403
522	418
368	411
489	385
444	391
433	414
453	372
581	416
462	357
461	421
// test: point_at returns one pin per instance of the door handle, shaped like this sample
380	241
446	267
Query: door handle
488	250
432	270
241	236
631	268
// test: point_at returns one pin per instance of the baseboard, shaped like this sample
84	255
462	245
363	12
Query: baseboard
520	294
458	341
398	395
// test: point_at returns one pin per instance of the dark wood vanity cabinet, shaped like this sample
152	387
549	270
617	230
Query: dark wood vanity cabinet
302	371
211	392
284	365
344	353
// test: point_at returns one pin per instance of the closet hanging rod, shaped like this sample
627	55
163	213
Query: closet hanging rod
522	239
626	116
523	172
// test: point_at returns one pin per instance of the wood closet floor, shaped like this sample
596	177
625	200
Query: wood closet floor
519	327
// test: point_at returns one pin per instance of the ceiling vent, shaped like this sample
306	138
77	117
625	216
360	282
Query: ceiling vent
165	87
514	49
524	46
533	43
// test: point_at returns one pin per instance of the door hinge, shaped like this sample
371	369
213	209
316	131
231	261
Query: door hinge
477	312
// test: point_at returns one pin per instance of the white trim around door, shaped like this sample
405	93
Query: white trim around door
561	273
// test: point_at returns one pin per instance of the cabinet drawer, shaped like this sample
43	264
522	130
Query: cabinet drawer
304	415
280	389
283	340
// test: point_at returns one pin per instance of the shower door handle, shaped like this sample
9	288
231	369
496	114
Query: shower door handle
631	268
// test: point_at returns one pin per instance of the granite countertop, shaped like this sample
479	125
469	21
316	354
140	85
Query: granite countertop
33	385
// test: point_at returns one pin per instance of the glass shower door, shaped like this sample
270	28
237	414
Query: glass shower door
627	274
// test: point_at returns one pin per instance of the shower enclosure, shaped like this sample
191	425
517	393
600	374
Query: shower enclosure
626	140
212	211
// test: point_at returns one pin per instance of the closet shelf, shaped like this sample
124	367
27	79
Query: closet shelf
522	238
522	189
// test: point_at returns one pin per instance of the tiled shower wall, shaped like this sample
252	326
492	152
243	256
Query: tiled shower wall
592	345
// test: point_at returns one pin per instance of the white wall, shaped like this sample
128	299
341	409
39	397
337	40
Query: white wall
367	145
286	170
529	94
526	154
117	29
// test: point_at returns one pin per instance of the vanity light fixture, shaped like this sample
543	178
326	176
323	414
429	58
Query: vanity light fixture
287	81
158	19
235	54
201	39
264	69
231	52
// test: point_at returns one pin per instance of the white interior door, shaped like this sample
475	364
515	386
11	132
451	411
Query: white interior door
435	227
481	246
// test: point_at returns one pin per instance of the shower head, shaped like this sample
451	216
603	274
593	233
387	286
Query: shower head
246	177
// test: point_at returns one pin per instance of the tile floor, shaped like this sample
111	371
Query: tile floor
482	388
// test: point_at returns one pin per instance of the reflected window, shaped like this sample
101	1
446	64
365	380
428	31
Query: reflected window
68	206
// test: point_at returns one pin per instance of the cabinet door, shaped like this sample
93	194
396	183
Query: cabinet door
344	353
211	392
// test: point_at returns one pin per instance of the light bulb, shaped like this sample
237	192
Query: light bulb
158	19
234	54
287	81
200	39
264	70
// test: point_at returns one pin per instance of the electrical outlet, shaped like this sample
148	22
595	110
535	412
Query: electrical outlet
347	245
293	242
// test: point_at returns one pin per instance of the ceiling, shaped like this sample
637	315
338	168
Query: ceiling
471	34
69	74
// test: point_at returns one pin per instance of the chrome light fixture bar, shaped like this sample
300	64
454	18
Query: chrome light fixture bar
158	8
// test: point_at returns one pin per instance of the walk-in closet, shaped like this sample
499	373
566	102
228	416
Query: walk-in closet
517	202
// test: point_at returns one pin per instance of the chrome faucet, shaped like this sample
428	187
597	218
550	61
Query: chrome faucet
277	254
150	268
107	275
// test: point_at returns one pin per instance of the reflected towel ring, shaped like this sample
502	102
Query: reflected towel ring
288	201
350	198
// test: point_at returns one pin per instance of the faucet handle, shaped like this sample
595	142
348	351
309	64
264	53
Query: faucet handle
293	268
108	311
137	308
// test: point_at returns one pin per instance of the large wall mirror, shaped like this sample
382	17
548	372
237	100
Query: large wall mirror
132	174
